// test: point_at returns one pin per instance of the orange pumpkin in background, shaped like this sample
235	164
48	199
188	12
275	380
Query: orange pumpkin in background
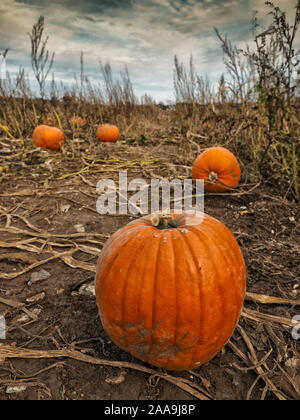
108	133
49	121
48	137
77	121
171	294
219	169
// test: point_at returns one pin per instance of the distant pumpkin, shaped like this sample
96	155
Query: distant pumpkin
48	137
219	169
77	121
108	133
49	121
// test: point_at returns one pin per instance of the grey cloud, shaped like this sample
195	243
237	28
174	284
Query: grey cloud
85	6
145	34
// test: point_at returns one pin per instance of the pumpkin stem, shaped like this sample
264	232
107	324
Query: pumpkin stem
163	220
212	177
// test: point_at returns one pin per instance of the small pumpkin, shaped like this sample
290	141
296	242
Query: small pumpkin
171	293
219	169
108	133
48	137
77	121
49	121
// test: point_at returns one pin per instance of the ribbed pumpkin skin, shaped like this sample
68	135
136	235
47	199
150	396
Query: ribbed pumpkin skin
108	133
223	163
48	137
171	297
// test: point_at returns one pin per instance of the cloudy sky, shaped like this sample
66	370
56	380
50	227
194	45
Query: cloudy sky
143	34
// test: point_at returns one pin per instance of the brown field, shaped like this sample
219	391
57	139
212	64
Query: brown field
56	346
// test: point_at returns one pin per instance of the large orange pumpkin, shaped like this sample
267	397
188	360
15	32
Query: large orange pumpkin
48	137
219	169
108	133
171	295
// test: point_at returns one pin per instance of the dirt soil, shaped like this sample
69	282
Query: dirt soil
55	345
